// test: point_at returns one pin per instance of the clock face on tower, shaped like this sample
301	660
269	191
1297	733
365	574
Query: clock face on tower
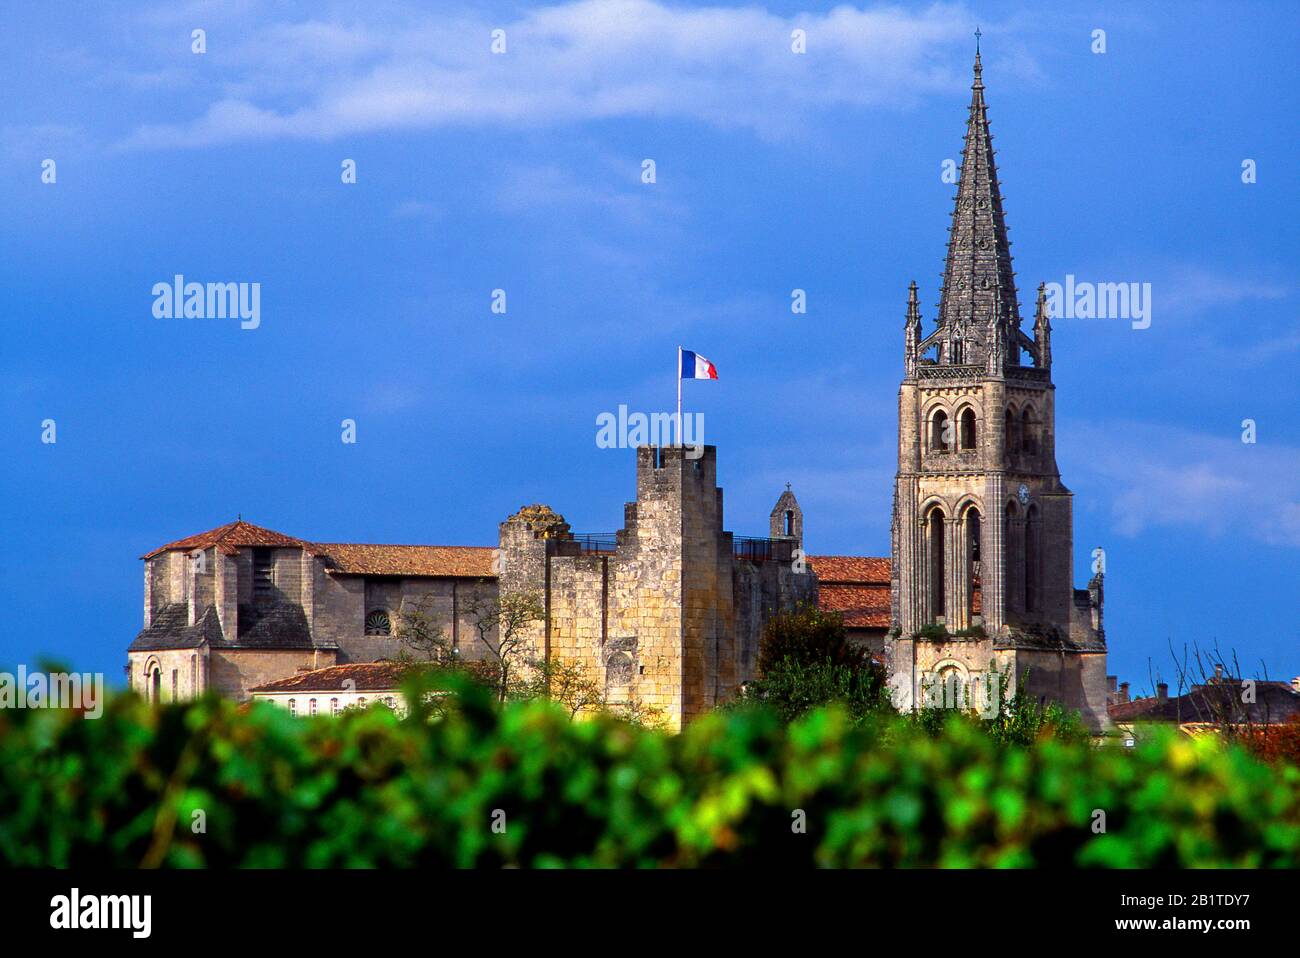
1023	494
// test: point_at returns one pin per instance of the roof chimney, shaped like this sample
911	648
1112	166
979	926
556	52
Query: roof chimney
1162	691
1123	691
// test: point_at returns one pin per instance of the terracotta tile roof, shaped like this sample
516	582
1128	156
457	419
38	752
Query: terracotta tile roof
858	569
346	558
349	558
863	606
229	538
856	586
363	676
1274	702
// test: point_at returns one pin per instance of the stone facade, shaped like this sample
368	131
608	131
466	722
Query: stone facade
240	606
667	612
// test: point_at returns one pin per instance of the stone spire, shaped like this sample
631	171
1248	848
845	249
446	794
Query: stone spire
1043	330
911	332
979	287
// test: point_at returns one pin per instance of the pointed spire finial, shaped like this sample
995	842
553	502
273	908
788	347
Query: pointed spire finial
979	286
787	487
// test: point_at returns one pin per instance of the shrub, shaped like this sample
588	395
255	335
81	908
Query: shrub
1020	720
373	789
790	688
805	660
808	636
1274	743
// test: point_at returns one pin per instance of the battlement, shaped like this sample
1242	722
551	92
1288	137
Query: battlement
654	464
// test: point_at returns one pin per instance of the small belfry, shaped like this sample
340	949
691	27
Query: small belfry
982	528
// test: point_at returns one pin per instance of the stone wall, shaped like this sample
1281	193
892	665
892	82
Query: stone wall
340	604
186	668
669	621
760	590
233	672
1074	679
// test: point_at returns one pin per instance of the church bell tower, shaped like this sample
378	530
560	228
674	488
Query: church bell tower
982	526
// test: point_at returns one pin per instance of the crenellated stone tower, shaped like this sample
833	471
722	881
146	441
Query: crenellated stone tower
982	525
667	616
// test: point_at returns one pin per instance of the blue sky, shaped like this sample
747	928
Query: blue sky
522	171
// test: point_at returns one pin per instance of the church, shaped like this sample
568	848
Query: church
669	610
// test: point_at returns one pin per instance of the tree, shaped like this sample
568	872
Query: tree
806	660
571	684
1216	694
502	622
636	712
808	635
420	637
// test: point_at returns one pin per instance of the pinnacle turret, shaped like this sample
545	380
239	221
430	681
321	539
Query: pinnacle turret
911	331
1043	330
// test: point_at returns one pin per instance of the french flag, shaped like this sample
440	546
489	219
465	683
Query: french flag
695	366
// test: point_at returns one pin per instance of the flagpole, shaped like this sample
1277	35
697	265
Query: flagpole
679	395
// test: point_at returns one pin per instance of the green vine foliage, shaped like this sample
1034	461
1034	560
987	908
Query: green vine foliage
462	781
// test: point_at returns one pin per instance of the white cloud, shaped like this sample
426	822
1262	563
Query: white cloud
583	60
1194	290
37	141
1155	475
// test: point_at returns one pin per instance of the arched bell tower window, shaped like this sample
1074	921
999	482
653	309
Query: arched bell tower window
971	560
1028	437
1012	543
1012	432
789	522
939	431
968	428
1031	560
935	566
